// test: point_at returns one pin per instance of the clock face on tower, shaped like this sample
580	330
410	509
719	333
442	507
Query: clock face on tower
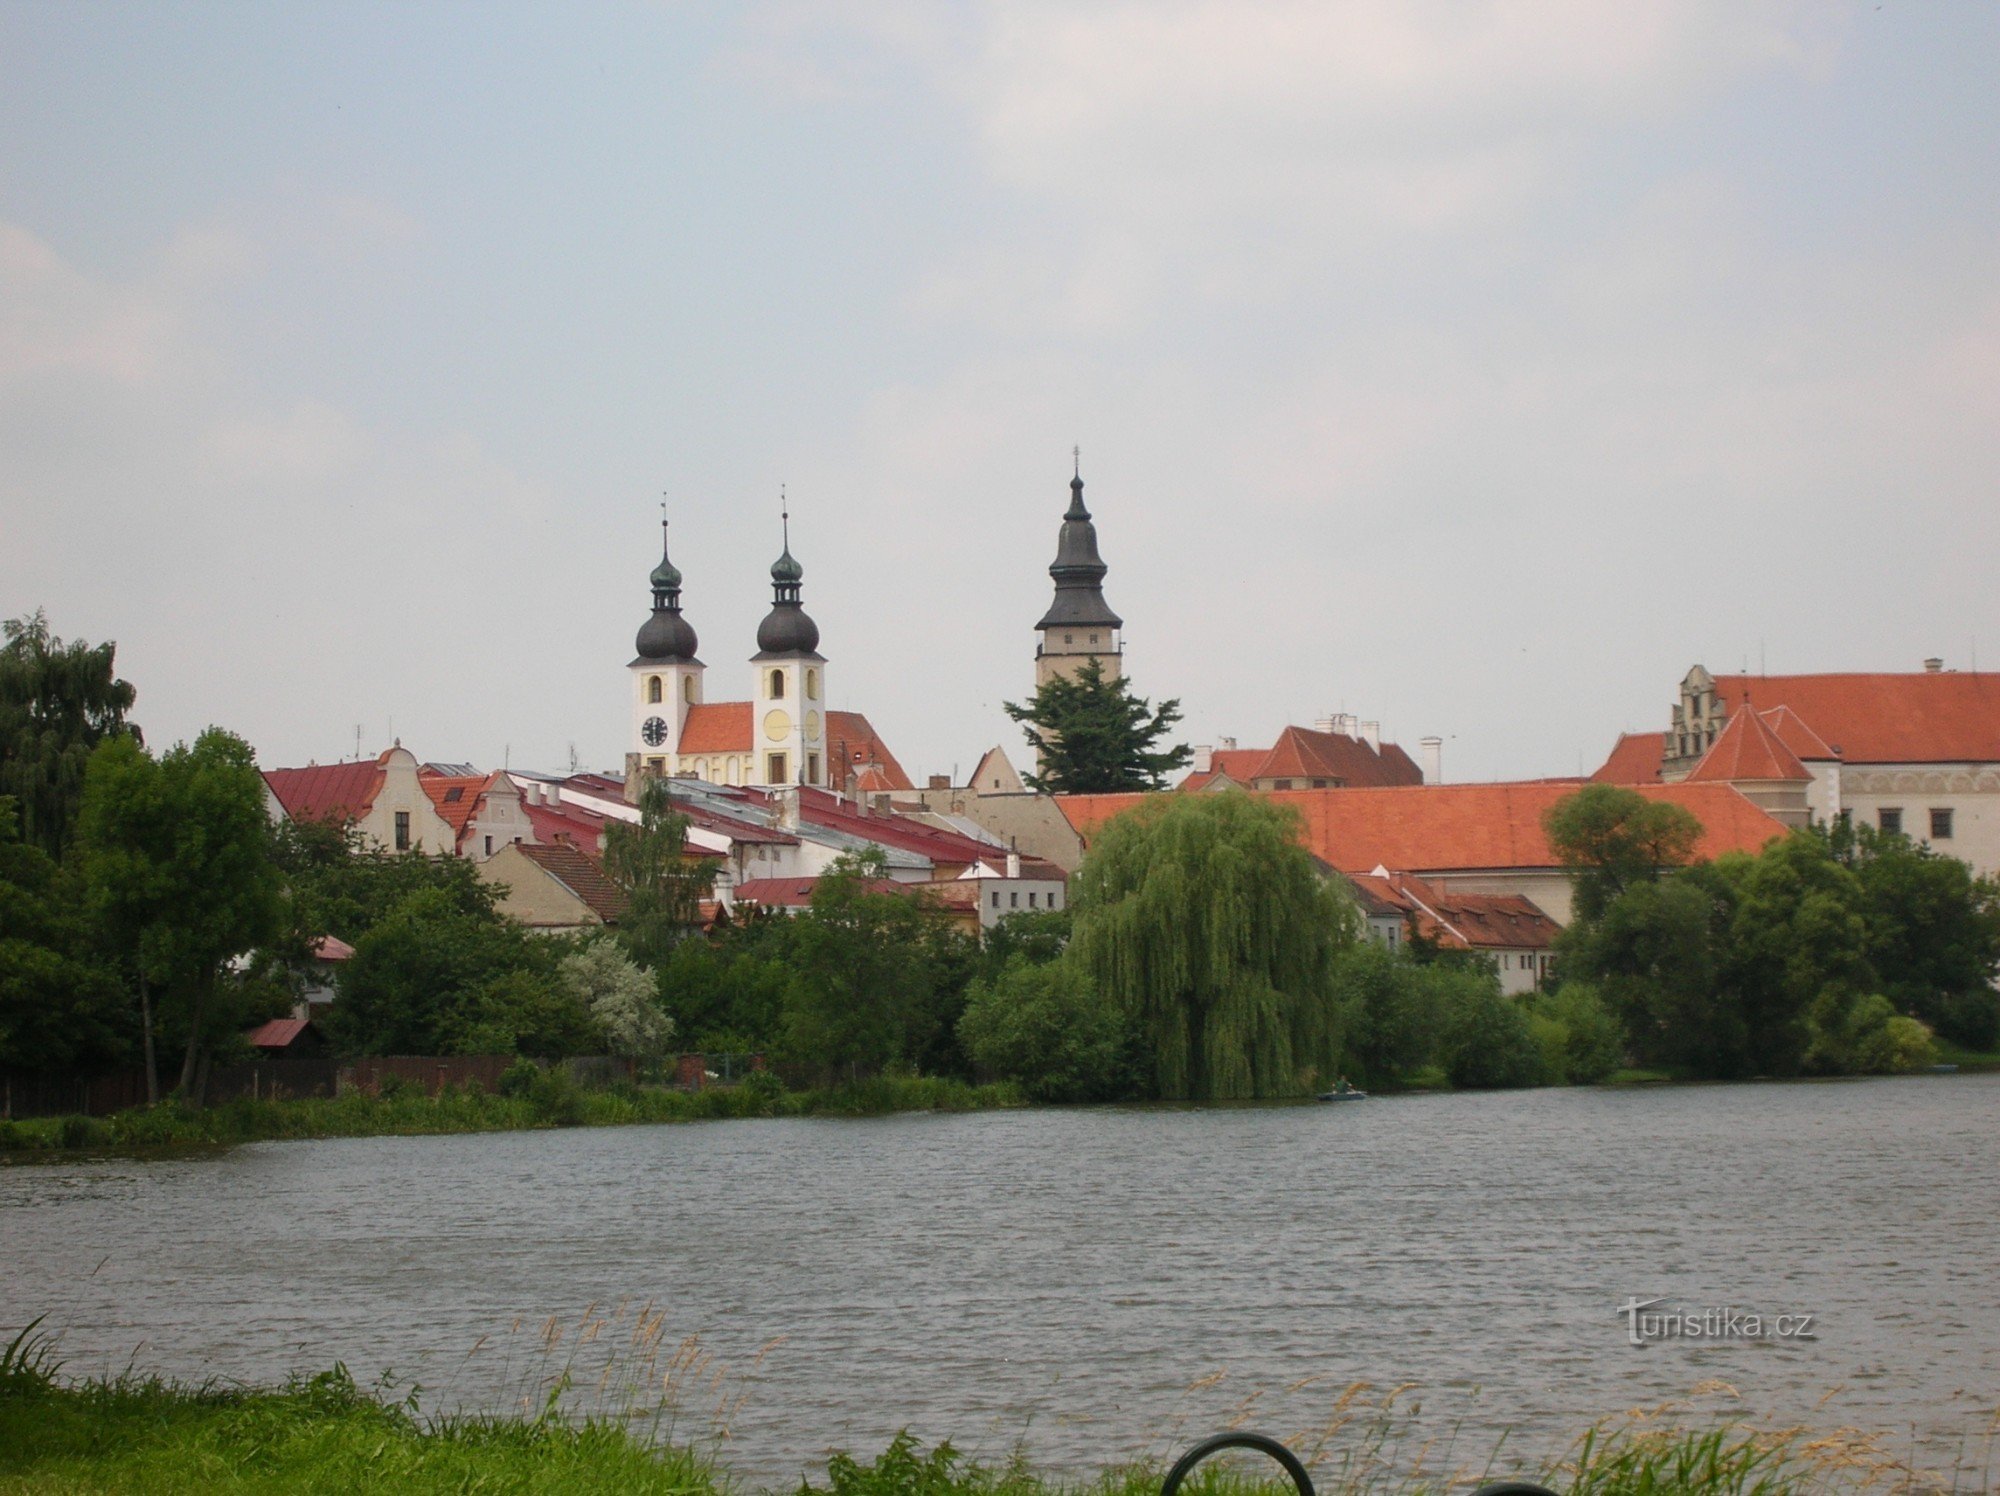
654	731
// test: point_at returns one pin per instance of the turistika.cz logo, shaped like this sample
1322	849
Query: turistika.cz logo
1646	1323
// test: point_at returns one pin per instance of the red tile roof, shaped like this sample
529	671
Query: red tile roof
718	727
332	948
1236	764
567	823
1469	921
582	875
279	1033
1926	718
456	797
853	743
1635	759
1458	827
796	893
1305	753
819	808
1748	751
1795	735
327	792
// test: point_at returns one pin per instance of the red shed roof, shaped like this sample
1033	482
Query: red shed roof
327	792
279	1033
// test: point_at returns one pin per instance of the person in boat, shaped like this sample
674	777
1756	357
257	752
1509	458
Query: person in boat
1341	1087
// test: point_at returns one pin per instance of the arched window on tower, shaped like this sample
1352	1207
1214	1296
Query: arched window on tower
812	684
653	688
777	684
687	689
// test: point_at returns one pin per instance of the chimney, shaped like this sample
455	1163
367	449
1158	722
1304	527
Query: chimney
1432	751
1204	758
1372	733
1227	745
785	805
882	805
1013	864
1933	665
1326	724
940	781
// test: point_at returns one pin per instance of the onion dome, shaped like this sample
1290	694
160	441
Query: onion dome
666	635
786	629
1079	572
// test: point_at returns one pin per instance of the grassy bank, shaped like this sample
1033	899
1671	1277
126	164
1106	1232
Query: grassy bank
326	1434
552	1102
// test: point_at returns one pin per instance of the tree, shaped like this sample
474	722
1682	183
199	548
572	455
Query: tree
1611	838
176	857
1486	1041
1933	932
619	997
1045	1027
57	703
1093	736
60	1006
1206	923
663	880
1390	1014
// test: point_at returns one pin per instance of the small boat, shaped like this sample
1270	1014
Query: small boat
1350	1094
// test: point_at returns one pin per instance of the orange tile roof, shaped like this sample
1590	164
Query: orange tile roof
581	874
1795	735
456	811
1635	759
1306	753
327	792
1925	718
1475	921
1239	764
1458	827
1748	751
718	727
853	743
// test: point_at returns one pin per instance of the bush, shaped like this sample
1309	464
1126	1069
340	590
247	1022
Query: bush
519	1078
391	1086
84	1132
1487	1041
557	1097
1580	1040
1864	1035
1047	1028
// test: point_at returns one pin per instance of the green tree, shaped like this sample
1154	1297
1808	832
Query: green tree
622	1000
1850	1034
60	1007
57	703
1486	1042
176	858
1391	1014
1611	838
665	882
1206	923
1093	736
1933	933
1582	1043
1044	1027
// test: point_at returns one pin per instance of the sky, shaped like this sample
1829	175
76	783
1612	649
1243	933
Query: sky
1476	368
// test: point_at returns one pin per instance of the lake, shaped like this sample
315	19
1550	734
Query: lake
1089	1284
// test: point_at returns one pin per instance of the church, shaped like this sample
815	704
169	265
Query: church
783	735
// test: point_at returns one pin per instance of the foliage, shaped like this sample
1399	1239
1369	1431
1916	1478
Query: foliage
176	856
1037	936
1203	920
1581	1042
876	978
433	978
1047	1029
664	882
1485	1040
620	998
1611	838
60	1006
57	703
1093	736
1864	1035
344	885
1390	1012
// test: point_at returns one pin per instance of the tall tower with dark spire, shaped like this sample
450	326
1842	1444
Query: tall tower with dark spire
1079	625
788	708
666	674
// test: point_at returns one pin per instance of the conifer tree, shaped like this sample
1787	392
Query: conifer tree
1093	736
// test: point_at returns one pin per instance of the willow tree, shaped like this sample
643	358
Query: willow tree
1206	921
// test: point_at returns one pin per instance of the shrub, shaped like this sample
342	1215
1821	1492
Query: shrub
556	1096
84	1132
1047	1028
519	1078
1581	1041
1487	1042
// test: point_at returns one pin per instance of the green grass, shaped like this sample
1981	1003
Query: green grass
1967	1059
412	1113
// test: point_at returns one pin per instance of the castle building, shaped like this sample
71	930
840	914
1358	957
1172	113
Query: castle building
782	735
1079	625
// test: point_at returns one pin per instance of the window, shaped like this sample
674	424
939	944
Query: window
687	688
812	684
1281	784
1031	899
777	684
1093	638
1014	900
1319	784
812	768
996	898
653	688
489	846
774	768
1054	897
402	831
1890	819
1940	825
657	765
1069	638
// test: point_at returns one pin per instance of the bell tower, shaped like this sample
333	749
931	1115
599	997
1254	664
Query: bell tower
1079	625
788	699
666	676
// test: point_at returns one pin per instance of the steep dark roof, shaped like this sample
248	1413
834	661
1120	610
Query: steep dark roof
1079	572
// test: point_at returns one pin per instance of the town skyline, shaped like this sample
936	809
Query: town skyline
1477	378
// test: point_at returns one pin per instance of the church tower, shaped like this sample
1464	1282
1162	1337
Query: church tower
1079	625
666	676
788	702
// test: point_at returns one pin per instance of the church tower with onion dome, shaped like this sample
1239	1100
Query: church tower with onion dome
666	675
789	695
1079	625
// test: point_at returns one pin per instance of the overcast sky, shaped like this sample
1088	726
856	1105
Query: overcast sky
1477	368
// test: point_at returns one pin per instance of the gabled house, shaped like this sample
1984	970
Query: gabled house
1339	752
1509	930
553	888
384	798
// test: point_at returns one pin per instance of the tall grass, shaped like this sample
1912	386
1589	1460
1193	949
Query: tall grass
556	1104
